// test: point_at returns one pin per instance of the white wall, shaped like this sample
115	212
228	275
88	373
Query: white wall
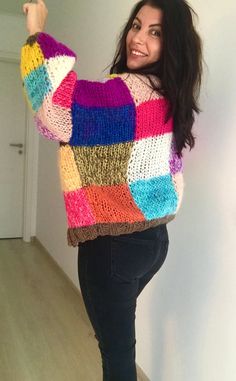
185	316
188	312
12	34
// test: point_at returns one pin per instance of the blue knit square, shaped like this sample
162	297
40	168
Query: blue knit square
102	125
156	197
37	85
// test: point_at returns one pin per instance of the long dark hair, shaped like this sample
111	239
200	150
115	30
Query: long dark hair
179	68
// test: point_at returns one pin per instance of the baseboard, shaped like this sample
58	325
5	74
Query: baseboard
141	375
35	241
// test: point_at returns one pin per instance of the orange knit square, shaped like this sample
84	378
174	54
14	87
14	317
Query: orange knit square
113	204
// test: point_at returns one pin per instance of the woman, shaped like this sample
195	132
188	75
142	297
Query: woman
121	143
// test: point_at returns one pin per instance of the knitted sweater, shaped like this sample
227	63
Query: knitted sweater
118	165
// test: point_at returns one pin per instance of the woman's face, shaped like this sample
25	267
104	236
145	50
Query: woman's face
144	39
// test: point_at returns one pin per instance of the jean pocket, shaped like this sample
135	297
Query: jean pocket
131	257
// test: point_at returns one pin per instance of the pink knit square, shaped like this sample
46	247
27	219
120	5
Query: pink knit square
150	119
56	119
63	95
78	210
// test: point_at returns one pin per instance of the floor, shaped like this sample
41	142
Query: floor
45	333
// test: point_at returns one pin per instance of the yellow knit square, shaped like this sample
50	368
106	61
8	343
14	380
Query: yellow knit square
112	75
31	58
70	177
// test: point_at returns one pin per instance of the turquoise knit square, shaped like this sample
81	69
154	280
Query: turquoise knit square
156	197
37	85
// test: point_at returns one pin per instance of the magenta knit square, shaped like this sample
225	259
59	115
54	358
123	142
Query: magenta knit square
52	48
150	119
78	210
112	93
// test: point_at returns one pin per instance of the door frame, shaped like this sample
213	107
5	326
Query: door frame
30	163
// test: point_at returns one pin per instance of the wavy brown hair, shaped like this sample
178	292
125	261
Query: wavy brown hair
179	67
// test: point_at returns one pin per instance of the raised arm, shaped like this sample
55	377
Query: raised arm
67	109
49	81
47	76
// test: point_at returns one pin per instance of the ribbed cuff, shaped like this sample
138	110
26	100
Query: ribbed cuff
32	38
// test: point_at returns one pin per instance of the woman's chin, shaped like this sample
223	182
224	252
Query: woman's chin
133	65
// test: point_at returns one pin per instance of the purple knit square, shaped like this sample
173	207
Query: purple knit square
43	130
112	93
176	163
52	48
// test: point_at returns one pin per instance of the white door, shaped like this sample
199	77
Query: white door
12	150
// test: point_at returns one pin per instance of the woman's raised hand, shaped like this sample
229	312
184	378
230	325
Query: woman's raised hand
36	16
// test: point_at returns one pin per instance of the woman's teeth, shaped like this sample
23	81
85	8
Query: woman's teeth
136	53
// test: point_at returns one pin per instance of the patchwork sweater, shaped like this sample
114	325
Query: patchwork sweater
118	165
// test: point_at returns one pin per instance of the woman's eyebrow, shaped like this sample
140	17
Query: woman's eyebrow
149	25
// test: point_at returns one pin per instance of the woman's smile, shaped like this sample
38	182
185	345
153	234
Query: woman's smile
137	53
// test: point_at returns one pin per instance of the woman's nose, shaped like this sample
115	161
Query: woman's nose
139	37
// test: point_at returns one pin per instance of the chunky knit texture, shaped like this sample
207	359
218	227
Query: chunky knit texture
118	165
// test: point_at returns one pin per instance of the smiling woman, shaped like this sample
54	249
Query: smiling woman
144	41
120	147
160	39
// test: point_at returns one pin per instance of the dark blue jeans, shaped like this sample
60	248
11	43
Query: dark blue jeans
113	270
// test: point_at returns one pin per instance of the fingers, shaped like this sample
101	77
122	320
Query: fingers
26	7
41	2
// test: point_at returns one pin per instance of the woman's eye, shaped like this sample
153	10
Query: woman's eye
156	33
135	26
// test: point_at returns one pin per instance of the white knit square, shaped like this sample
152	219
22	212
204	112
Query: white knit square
150	158
140	87
58	68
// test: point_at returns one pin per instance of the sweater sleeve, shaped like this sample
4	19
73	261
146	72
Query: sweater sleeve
49	81
67	109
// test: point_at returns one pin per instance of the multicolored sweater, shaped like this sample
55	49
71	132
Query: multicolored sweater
118	166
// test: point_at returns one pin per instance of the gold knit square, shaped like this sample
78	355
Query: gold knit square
111	163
